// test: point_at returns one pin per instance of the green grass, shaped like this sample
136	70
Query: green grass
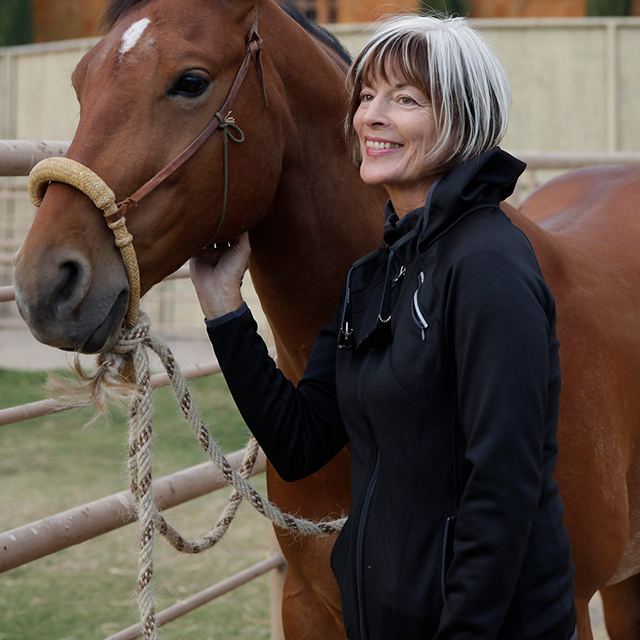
86	592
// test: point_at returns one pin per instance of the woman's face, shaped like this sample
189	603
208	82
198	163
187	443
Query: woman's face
396	128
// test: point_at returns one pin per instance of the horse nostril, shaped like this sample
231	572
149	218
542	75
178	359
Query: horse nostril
71	285
69	272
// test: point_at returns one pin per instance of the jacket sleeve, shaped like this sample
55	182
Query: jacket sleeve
299	429
499	336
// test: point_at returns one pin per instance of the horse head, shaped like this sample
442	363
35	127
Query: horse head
146	91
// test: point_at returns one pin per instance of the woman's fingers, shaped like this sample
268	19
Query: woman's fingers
217	275
234	258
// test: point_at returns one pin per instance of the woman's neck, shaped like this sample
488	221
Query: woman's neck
405	199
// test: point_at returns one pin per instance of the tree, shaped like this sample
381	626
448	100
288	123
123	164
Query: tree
608	7
15	22
449	7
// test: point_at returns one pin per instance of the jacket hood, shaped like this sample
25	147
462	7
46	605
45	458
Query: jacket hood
484	181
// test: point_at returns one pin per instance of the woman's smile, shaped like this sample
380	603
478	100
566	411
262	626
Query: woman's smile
377	146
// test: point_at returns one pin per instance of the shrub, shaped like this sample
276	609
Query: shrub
608	7
449	7
15	22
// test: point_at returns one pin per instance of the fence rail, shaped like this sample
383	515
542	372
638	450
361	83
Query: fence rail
275	563
17	157
52	534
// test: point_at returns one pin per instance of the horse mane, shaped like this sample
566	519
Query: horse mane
116	8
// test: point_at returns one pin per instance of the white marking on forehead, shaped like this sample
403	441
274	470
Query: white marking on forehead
132	35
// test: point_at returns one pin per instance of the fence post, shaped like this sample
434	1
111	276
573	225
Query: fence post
276	587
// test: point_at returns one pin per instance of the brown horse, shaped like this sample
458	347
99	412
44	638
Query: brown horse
146	90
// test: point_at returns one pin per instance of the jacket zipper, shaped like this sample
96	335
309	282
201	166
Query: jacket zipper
363	514
359	548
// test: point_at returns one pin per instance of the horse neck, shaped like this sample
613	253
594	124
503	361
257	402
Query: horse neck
323	217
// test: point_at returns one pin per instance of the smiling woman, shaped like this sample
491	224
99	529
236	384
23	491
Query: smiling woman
440	368
470	115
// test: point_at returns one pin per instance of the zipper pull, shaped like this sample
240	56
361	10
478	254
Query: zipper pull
401	274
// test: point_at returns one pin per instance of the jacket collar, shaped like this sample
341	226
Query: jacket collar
484	181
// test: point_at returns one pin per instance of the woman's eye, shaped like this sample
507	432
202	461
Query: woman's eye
190	85
366	97
407	100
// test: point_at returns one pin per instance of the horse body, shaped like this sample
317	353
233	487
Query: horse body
586	235
293	185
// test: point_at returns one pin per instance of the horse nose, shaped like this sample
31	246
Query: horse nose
51	287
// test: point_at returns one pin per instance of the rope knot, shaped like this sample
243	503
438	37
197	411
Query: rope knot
226	124
133	337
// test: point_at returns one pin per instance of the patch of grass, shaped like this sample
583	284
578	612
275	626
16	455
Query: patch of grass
87	592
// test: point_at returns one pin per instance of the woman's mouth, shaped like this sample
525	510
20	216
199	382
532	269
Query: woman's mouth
380	144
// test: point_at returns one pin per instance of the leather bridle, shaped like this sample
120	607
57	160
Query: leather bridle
220	120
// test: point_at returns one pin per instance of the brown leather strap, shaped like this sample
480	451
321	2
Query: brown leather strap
253	50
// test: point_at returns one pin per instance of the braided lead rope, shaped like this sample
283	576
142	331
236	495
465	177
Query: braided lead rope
133	344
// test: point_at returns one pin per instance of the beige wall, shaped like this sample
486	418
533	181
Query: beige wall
575	83
575	88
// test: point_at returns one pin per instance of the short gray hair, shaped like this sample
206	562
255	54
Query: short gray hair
452	64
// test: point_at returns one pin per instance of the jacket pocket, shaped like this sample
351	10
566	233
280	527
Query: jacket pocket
447	550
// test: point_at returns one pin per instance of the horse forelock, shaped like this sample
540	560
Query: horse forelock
116	8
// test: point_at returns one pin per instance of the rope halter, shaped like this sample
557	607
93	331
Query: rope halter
95	188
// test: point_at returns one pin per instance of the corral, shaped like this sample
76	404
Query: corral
629	158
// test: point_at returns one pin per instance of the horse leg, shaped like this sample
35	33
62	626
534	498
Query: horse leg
306	615
311	598
621	602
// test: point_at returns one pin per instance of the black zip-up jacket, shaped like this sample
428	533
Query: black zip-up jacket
447	386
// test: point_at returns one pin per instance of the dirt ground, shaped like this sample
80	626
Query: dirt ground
19	350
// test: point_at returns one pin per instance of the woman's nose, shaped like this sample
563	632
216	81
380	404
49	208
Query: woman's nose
376	114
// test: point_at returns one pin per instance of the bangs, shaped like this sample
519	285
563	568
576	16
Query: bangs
406	59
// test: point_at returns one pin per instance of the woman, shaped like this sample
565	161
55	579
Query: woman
441	368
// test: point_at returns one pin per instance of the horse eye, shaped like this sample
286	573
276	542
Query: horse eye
190	85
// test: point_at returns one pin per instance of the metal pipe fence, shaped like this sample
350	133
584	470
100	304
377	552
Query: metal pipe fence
49	535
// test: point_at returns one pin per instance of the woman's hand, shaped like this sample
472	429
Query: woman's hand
217	274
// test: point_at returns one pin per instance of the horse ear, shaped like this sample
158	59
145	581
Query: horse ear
239	10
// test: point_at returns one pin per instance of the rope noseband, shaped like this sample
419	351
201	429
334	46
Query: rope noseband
134	342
